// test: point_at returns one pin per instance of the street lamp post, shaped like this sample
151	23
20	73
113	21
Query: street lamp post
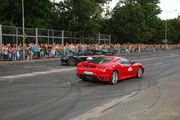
165	37
23	36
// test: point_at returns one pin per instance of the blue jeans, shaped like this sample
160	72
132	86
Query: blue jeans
13	56
21	55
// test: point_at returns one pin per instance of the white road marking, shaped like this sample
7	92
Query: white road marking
158	63
35	73
98	111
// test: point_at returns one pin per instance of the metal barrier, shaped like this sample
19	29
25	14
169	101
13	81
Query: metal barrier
13	35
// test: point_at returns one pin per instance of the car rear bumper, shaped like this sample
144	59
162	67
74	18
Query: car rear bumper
101	77
88	77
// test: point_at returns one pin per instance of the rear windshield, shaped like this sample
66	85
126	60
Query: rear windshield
100	60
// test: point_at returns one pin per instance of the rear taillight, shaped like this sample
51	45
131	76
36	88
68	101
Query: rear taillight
101	67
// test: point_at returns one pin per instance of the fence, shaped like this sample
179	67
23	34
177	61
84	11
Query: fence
13	35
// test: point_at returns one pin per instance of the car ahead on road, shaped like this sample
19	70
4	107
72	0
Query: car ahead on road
109	68
73	59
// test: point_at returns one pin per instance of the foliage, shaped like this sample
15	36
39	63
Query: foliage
173	31
133	21
10	12
80	15
38	13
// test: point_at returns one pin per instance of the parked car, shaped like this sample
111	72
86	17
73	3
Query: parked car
109	68
73	59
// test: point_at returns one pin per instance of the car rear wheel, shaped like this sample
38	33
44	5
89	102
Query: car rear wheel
114	77
139	72
71	61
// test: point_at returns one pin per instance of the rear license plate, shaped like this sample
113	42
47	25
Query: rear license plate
87	72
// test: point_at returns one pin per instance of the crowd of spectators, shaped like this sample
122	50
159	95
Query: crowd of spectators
41	51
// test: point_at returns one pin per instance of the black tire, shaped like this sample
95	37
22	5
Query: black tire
72	61
114	77
139	72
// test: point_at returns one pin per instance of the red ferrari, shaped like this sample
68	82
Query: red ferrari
109	68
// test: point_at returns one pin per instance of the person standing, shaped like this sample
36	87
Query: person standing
5	52
42	51
1	52
9	53
14	53
102	47
35	50
112	49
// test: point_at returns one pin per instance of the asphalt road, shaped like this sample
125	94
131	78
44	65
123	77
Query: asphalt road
44	90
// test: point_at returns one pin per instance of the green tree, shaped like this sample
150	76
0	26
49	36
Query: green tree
173	31
61	10
37	13
159	32
10	12
81	15
134	21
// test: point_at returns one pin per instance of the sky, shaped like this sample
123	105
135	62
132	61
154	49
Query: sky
171	9
168	8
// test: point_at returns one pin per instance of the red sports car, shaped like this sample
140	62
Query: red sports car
109	68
